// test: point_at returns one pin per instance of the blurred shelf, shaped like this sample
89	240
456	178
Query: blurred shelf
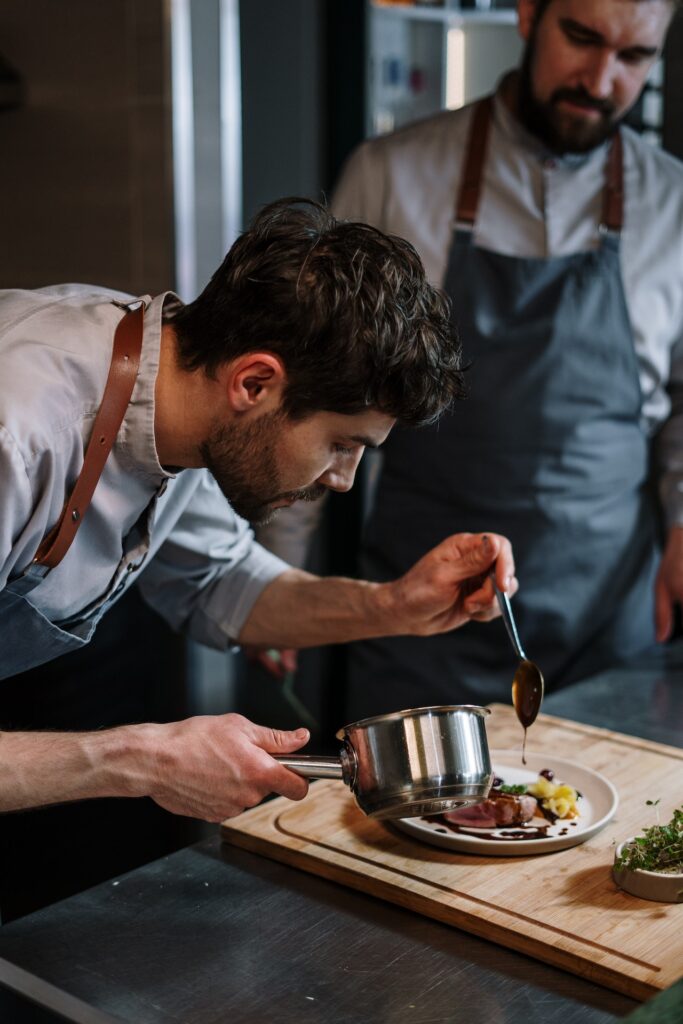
450	16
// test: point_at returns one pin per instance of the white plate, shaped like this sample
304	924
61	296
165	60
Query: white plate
599	801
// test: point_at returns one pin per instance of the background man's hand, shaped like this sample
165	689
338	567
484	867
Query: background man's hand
213	767
669	584
278	663
451	584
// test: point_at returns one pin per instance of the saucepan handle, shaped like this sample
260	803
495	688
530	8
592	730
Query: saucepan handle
313	767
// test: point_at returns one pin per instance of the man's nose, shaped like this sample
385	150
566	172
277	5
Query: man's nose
599	74
340	477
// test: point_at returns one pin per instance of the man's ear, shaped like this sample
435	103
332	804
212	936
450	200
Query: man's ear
526	14
254	381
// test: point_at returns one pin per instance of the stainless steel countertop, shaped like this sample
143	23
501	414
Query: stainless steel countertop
214	934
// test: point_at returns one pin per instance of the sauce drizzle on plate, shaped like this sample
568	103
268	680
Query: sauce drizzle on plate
520	833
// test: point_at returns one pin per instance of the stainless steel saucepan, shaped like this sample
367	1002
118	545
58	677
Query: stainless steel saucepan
409	763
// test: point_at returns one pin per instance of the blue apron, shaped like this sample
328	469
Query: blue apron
29	638
548	449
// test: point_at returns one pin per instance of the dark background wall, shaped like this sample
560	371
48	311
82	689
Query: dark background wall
303	80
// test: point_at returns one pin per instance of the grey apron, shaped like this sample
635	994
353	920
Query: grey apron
28	637
548	449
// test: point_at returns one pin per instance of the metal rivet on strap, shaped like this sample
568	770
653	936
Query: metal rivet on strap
75	515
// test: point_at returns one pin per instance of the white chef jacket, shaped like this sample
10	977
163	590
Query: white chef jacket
196	559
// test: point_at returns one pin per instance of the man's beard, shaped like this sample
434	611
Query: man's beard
556	128
243	461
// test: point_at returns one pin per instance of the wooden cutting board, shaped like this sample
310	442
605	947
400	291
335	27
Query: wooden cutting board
561	907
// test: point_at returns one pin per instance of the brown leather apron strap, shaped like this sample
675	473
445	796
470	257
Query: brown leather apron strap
470	186
123	373
613	196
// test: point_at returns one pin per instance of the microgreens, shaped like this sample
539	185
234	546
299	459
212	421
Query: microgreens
660	848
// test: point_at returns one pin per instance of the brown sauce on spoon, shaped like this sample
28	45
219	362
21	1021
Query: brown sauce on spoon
527	694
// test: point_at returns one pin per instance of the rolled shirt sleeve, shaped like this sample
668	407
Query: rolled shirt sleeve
207	574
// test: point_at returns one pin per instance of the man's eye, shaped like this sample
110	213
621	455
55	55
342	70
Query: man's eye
634	57
579	40
342	449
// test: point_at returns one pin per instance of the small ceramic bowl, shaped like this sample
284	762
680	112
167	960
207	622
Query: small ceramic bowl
663	886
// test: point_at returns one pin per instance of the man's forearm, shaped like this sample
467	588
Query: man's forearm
445	589
301	610
50	767
209	767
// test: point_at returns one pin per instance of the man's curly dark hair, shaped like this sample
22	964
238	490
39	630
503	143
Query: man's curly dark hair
346	307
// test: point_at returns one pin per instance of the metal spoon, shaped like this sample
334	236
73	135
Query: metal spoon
527	685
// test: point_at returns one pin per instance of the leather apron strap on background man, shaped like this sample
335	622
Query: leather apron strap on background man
548	449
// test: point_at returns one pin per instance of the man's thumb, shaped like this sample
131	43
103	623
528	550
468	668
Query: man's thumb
284	741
